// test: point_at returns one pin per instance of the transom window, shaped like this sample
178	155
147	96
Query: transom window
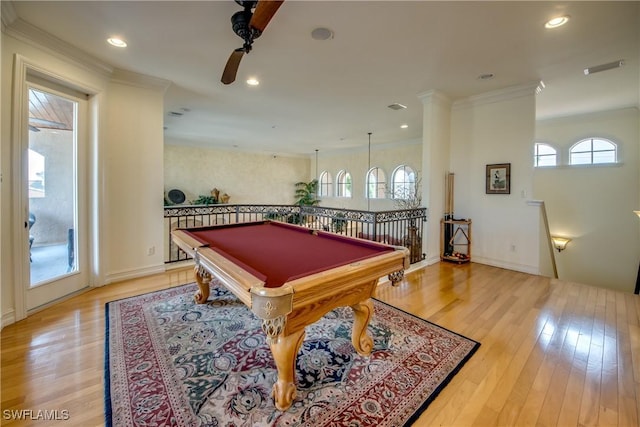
376	183
403	182
343	184
544	155
326	184
593	151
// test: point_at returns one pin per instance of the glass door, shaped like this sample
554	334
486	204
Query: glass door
56	195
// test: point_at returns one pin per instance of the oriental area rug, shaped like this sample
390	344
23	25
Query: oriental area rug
171	362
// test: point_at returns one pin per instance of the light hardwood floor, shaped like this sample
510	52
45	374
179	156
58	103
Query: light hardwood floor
552	353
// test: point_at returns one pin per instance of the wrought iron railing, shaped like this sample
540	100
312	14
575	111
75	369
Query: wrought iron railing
397	227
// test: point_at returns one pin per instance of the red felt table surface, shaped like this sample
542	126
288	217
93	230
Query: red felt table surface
278	253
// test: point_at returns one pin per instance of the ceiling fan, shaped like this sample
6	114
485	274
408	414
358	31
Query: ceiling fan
249	26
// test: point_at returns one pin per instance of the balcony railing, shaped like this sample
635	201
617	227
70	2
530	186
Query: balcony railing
397	227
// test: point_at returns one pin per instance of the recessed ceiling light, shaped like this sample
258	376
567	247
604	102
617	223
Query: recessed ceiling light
557	21
253	82
404	126
321	33
487	76
396	106
117	42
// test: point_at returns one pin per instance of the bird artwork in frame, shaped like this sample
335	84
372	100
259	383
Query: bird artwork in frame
498	178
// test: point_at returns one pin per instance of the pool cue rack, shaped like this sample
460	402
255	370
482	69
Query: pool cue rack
455	234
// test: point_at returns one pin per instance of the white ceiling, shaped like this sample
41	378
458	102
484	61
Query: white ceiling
329	94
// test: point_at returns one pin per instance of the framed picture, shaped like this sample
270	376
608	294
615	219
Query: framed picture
499	178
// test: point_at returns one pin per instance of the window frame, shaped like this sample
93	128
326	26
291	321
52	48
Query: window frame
379	184
410	188
537	156
327	185
344	184
591	152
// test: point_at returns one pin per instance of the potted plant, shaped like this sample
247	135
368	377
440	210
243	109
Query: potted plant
305	195
410	197
339	223
205	200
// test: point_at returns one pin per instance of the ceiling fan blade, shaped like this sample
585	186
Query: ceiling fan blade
265	9
231	69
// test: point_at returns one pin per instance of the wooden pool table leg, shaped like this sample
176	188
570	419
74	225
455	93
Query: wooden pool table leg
203	278
284	350
360	338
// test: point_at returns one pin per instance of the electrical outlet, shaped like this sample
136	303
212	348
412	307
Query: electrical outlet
151	250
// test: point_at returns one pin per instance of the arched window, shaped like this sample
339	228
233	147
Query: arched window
593	151
343	184
544	155
403	182
325	187
376	183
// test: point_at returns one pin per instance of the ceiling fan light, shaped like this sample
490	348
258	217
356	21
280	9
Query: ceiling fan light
253	82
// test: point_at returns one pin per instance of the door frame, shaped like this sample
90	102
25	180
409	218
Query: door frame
19	132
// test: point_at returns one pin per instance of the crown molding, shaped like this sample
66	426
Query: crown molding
17	28
499	95
30	34
139	80
434	95
179	141
7	13
364	148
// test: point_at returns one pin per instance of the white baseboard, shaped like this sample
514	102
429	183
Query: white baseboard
134	273
530	269
179	264
8	318
432	260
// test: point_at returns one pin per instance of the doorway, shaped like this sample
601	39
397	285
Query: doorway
56	188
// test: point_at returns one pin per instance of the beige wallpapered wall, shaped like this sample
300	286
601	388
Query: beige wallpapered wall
249	178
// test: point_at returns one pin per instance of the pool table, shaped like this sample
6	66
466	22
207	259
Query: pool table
291	276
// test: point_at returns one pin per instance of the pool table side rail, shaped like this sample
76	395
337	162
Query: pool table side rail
317	294
372	268
236	279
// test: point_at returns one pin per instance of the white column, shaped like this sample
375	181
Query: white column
436	135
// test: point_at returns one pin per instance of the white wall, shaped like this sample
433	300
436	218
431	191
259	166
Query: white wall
3	108
133	181
356	162
594	205
251	178
497	127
